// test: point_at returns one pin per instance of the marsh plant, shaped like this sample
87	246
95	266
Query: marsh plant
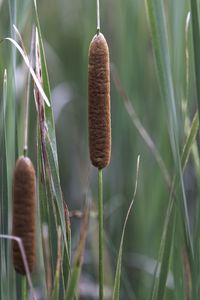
75	221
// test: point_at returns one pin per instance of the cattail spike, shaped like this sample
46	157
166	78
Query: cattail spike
99	102
24	209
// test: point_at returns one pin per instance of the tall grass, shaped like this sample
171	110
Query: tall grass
154	47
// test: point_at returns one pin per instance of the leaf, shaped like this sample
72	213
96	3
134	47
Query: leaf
58	267
138	124
156	15
77	265
55	207
4	196
190	140
166	241
196	46
116	288
26	60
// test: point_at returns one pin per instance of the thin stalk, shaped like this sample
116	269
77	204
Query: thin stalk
24	289
98	17
26	111
26	117
100	208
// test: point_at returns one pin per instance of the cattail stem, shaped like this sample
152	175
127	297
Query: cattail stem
100	208
26	110
25	150
98	17
24	289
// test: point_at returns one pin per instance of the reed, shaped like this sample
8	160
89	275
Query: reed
99	123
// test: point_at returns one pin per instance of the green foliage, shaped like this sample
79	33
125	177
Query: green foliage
154	50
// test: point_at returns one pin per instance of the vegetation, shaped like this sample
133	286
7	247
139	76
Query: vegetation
152	185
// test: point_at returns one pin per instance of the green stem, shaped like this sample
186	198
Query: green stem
24	289
98	17
100	208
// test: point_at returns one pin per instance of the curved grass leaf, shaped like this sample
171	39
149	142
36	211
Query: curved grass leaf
26	60
116	289
138	124
76	270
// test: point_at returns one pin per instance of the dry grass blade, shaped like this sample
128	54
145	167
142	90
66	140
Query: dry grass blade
75	275
58	266
47	259
26	60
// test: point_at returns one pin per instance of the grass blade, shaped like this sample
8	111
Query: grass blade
76	271
4	197
156	15
116	288
58	268
190	140
55	213
51	136
26	60
137	123
196	46
166	241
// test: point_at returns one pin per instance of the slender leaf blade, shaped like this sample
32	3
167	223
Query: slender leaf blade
116	289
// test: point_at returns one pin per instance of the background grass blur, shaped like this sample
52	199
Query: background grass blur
67	28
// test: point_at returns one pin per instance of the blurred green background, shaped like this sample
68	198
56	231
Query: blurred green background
67	28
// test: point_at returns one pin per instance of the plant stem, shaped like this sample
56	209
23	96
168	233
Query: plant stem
24	289
26	111
98	17
100	208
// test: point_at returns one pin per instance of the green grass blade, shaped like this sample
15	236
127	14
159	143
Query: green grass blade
50	167
116	289
57	193
138	124
196	46
190	140
46	85
161	48
3	201
51	137
9	164
158	289
166	241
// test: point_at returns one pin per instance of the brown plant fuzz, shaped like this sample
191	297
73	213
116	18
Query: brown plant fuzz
99	102
24	208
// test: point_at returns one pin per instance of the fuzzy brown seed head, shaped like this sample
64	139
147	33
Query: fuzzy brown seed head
99	102
24	208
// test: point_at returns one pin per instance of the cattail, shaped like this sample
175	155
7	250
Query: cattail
24	209
99	102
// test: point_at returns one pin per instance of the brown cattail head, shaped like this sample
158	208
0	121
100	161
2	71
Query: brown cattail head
99	102
24	209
